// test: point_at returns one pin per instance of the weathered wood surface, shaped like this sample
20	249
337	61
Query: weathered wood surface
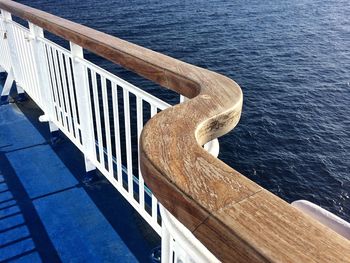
235	218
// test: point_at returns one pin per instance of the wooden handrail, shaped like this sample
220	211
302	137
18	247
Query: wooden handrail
237	220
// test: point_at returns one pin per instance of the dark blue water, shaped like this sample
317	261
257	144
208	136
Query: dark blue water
292	60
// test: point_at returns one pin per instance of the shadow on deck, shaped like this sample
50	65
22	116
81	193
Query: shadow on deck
46	213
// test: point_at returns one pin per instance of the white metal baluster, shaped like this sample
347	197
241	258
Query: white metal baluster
182	238
26	39
20	56
3	46
72	97
44	86
51	69
139	112
117	133
182	98
128	141
15	70
54	84
59	88
107	125
6	49
6	62
32	66
166	253
24	54
59	106
154	200
65	91
173	251
97	118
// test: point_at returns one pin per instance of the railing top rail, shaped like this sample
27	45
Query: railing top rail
233	217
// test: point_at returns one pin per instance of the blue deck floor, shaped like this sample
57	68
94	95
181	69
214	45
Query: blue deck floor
47	214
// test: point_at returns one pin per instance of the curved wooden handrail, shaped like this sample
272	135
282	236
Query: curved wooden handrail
237	220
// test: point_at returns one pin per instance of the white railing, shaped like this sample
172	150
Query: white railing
5	61
99	112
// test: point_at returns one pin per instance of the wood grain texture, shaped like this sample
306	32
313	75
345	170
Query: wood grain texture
234	217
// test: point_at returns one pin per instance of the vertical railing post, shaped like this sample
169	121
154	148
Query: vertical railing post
179	244
44	81
84	110
165	247
15	73
182	98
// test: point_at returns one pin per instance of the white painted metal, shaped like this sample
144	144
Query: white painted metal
44	81
66	100
24	62
57	107
83	104
53	127
182	98
128	140
139	113
117	133
9	54
213	147
5	61
97	118
180	243
154	200
107	126
8	84
83	101
72	95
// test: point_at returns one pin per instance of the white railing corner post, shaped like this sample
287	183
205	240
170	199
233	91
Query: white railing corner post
44	81
14	73
165	247
84	109
179	244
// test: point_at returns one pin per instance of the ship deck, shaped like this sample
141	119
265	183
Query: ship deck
46	213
